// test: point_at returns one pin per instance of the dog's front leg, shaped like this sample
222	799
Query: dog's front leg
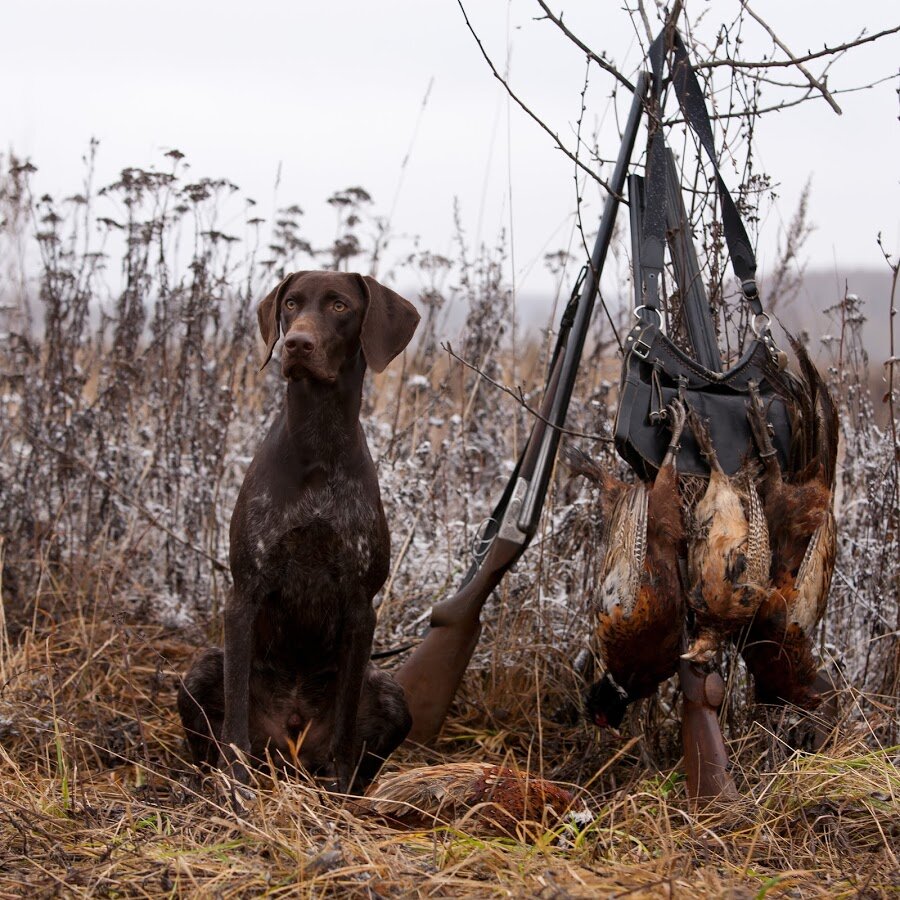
356	646
239	621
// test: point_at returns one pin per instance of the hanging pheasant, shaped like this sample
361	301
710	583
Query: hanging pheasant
728	552
778	648
640	605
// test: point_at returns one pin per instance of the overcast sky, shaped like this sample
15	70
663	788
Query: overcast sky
333	93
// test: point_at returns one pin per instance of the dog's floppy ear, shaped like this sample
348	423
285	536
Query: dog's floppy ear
388	326
268	314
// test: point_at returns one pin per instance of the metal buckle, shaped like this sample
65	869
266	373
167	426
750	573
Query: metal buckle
641	348
636	338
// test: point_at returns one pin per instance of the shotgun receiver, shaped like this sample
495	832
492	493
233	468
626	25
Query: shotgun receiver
432	674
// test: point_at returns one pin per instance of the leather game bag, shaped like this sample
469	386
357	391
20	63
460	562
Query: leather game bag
655	369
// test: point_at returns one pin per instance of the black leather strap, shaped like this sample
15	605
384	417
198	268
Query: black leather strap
693	106
653	218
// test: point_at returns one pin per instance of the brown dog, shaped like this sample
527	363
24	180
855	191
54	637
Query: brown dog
309	550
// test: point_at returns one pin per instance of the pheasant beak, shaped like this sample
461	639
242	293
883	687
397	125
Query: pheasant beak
601	721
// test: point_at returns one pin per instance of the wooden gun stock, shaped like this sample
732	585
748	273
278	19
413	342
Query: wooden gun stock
432	674
705	756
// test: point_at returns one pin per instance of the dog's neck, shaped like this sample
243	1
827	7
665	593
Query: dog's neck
322	419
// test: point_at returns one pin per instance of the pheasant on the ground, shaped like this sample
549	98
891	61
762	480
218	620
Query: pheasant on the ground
472	796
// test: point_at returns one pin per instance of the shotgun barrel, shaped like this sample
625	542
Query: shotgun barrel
534	499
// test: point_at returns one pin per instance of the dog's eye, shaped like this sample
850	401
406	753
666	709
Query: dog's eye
289	304
339	306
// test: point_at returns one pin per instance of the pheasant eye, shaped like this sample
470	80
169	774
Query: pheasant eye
339	306
290	304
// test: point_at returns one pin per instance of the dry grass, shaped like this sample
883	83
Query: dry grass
96	799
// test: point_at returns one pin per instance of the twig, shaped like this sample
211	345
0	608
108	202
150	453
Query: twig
796	60
580	223
520	399
672	21
893	359
526	109
606	66
134	504
813	81
780	107
646	20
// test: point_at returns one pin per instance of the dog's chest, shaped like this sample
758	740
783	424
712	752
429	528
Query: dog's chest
327	537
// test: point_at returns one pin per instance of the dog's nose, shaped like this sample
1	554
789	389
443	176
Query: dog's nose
300	342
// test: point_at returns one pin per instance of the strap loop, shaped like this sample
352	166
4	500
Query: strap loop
750	289
760	330
639	309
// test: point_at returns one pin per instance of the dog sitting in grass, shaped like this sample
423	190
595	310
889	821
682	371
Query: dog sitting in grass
310	548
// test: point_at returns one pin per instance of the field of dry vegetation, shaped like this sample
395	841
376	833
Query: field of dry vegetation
127	417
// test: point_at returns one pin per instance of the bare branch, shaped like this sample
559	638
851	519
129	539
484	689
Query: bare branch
526	109
520	399
646	20
128	498
785	104
782	63
813	81
580	222
601	61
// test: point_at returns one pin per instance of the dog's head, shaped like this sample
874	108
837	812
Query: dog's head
327	317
